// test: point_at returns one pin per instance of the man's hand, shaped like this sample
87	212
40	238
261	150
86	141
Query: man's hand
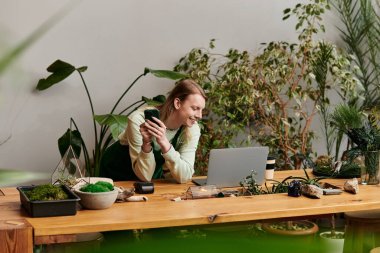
157	129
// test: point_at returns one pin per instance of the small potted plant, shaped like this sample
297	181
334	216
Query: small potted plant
48	200
332	241
364	137
300	227
300	233
325	166
99	195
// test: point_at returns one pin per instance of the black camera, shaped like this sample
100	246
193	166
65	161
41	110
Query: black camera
144	187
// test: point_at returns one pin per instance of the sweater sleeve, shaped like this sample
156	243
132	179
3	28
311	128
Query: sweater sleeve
143	164
181	162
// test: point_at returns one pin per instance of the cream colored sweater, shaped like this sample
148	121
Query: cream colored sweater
179	162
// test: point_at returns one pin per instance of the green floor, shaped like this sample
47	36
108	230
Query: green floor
219	239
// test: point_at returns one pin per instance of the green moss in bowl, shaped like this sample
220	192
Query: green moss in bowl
100	186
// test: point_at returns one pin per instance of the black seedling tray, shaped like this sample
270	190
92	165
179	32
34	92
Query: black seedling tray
50	207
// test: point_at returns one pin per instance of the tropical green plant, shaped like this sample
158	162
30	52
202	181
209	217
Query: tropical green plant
320	66
251	187
274	96
229	100
364	135
360	32
111	124
293	80
306	180
325	166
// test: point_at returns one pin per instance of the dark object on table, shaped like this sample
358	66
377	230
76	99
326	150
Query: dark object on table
294	188
144	187
48	208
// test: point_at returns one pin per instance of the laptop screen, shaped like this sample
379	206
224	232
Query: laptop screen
228	167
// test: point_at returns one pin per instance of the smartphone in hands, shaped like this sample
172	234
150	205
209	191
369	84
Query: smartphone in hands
149	113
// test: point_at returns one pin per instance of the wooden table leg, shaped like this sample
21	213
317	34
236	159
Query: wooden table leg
16	236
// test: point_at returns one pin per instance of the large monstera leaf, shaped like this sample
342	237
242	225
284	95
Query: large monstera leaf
59	70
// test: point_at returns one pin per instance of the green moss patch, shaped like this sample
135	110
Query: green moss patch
100	186
46	192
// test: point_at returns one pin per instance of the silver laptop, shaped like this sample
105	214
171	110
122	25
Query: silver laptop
228	167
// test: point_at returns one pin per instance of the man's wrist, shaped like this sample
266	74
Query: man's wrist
166	149
146	147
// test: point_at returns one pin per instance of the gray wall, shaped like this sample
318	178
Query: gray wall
116	39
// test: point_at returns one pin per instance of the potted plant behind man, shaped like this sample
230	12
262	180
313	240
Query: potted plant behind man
273	97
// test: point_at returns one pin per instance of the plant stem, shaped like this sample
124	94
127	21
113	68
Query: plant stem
104	129
126	109
92	107
126	91
289	225
96	153
85	152
333	225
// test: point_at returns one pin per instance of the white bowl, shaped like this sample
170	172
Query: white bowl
97	200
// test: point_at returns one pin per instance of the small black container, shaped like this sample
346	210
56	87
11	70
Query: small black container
294	188
49	208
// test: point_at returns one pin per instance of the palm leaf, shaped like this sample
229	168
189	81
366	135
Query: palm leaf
346	117
361	34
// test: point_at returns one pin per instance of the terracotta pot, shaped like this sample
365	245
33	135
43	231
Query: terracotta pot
312	228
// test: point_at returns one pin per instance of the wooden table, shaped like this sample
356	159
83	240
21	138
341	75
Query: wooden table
161	211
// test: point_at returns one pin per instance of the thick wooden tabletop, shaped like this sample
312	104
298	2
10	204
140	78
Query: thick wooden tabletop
161	211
